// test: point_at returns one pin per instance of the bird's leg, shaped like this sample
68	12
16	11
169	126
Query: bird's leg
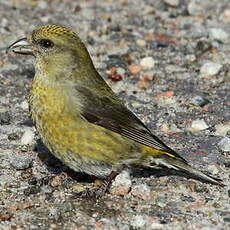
101	190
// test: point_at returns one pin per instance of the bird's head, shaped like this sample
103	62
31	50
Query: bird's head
55	48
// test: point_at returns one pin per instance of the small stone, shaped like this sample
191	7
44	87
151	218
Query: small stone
222	129
213	169
78	188
134	69
224	144
5	118
198	125
27	137
210	69
122	184
13	136
46	189
218	34
190	57
57	180
147	63
195	7
156	226
6	180
144	81
42	4
21	161
226	15
120	71
142	191
199	101
227	219
24	105
5	216
161	201
141	42
138	221
34	189
173	3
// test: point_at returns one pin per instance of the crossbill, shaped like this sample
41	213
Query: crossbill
80	119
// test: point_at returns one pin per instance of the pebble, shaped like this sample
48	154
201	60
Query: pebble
226	15
147	63
199	101
32	190
210	69
21	161
122	184
120	71
195	7
141	42
222	129
24	105
198	125
138	221
142	191
27	137
6	180
161	201
46	189
213	169
5	118
134	69
173	68
224	144
156	226
173	3
42	4
218	34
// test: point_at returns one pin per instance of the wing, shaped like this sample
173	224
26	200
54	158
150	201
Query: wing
109	112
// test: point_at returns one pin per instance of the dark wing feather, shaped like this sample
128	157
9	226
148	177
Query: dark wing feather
111	113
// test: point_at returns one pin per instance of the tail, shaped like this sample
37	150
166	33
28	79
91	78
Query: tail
179	165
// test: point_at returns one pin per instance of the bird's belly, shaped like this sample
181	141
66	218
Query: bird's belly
81	145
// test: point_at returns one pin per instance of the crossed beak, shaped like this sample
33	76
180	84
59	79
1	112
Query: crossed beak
21	46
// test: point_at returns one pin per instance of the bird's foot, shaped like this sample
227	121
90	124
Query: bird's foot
97	192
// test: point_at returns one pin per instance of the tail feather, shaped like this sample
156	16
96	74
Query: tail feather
177	164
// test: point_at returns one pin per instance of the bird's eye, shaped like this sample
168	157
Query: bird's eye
46	43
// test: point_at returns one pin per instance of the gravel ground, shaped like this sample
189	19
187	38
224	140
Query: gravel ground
169	61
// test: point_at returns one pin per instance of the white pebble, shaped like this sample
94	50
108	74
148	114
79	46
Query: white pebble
147	63
195	7
42	4
120	71
222	129
27	137
24	105
210	69
122	184
138	221
142	191
218	34
141	42
213	169
224	144
172	2
198	125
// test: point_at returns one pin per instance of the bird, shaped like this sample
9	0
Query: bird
81	120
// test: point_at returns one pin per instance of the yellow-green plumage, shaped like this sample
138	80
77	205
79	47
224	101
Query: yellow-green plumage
77	142
80	119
